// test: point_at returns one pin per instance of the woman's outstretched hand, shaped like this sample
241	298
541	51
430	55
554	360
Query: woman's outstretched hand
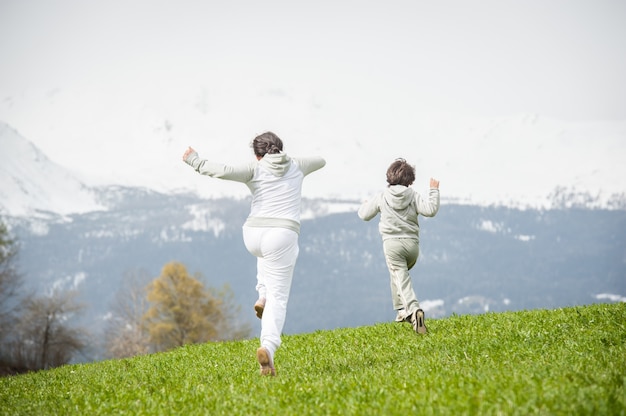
187	153
434	183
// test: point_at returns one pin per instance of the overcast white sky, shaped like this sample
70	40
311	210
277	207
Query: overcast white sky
76	75
559	58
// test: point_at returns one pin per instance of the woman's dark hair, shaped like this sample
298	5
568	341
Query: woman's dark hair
400	173
267	142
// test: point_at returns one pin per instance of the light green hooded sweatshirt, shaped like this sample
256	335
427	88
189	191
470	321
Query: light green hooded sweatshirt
399	207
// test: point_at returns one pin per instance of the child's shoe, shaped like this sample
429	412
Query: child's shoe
417	319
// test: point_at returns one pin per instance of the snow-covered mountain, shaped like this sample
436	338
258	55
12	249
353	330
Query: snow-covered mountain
535	258
472	259
522	160
30	183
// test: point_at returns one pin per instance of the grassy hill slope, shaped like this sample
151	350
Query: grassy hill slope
564	361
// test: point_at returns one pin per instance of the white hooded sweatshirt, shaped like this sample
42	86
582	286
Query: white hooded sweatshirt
275	182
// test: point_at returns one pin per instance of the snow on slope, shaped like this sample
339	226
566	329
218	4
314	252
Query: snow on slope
29	181
516	161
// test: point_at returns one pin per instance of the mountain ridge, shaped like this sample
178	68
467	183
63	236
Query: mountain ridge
472	259
32	184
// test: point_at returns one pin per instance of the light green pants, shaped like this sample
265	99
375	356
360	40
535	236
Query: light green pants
401	255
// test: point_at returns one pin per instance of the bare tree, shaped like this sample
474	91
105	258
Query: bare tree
11	298
231	326
35	332
10	281
43	335
125	334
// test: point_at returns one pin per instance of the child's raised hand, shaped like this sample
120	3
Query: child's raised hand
434	183
188	152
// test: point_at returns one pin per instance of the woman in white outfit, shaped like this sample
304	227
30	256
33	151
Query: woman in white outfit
271	230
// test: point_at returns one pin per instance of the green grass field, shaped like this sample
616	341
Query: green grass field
568	361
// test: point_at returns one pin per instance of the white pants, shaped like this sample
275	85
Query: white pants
276	250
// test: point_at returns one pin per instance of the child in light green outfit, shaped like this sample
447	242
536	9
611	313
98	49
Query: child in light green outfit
399	206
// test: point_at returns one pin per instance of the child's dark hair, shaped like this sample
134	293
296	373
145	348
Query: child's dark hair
400	173
265	143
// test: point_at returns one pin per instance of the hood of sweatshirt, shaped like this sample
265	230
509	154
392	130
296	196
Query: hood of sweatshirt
399	196
278	163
